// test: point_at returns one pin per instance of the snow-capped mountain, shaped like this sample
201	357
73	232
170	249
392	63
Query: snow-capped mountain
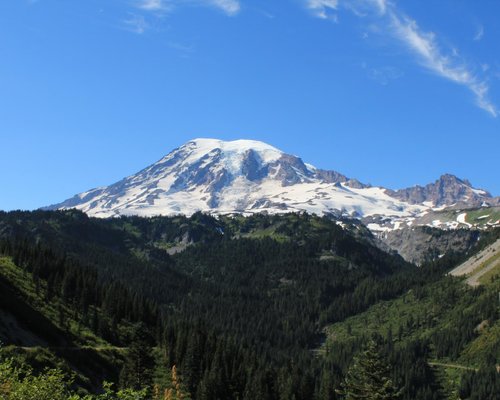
246	176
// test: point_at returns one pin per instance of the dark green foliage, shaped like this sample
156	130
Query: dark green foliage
137	371
411	368
481	385
369	376
237	306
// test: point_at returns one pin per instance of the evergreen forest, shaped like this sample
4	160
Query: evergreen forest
285	307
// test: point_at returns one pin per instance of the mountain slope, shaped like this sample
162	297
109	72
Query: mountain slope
247	177
482	266
449	332
242	299
251	291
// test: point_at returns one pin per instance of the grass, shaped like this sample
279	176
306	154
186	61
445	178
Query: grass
493	274
22	280
477	217
73	348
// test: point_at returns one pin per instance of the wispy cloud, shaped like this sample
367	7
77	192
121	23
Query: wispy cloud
154	5
381	5
425	45
185	50
148	10
321	8
229	7
479	34
382	75
136	24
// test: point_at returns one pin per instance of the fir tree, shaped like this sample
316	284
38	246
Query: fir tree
369	377
137	371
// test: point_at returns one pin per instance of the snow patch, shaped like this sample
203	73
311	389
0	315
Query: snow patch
461	219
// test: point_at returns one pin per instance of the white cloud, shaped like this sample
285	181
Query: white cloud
424	44
230	7
381	5
322	8
158	8
153	5
479	34
136	24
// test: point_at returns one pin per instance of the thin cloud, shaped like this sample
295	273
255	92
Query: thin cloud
322	8
153	5
424	45
136	24
382	75
184	49
479	34
381	5
229	7
157	9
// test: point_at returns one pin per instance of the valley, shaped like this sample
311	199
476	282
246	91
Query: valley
241	308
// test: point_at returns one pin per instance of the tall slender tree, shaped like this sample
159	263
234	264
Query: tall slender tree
137	371
369	377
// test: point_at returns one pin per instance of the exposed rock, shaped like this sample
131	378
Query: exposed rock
448	190
422	243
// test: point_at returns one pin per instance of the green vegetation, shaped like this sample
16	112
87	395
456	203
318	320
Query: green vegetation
369	376
235	311
19	382
483	216
493	274
458	326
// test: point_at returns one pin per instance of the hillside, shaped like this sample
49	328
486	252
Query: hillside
482	267
448	331
237	304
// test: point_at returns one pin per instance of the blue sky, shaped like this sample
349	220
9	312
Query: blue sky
393	93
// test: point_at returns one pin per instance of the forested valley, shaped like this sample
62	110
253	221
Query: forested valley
289	306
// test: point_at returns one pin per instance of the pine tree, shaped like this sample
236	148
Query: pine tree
137	371
369	377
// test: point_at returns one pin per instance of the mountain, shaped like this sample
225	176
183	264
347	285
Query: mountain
446	191
246	177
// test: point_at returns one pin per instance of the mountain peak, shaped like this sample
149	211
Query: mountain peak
448	190
230	155
232	145
249	176
203	146
450	179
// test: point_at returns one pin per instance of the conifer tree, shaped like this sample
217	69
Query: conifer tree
137	371
369	378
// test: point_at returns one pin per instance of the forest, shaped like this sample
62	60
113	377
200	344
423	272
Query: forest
259	307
